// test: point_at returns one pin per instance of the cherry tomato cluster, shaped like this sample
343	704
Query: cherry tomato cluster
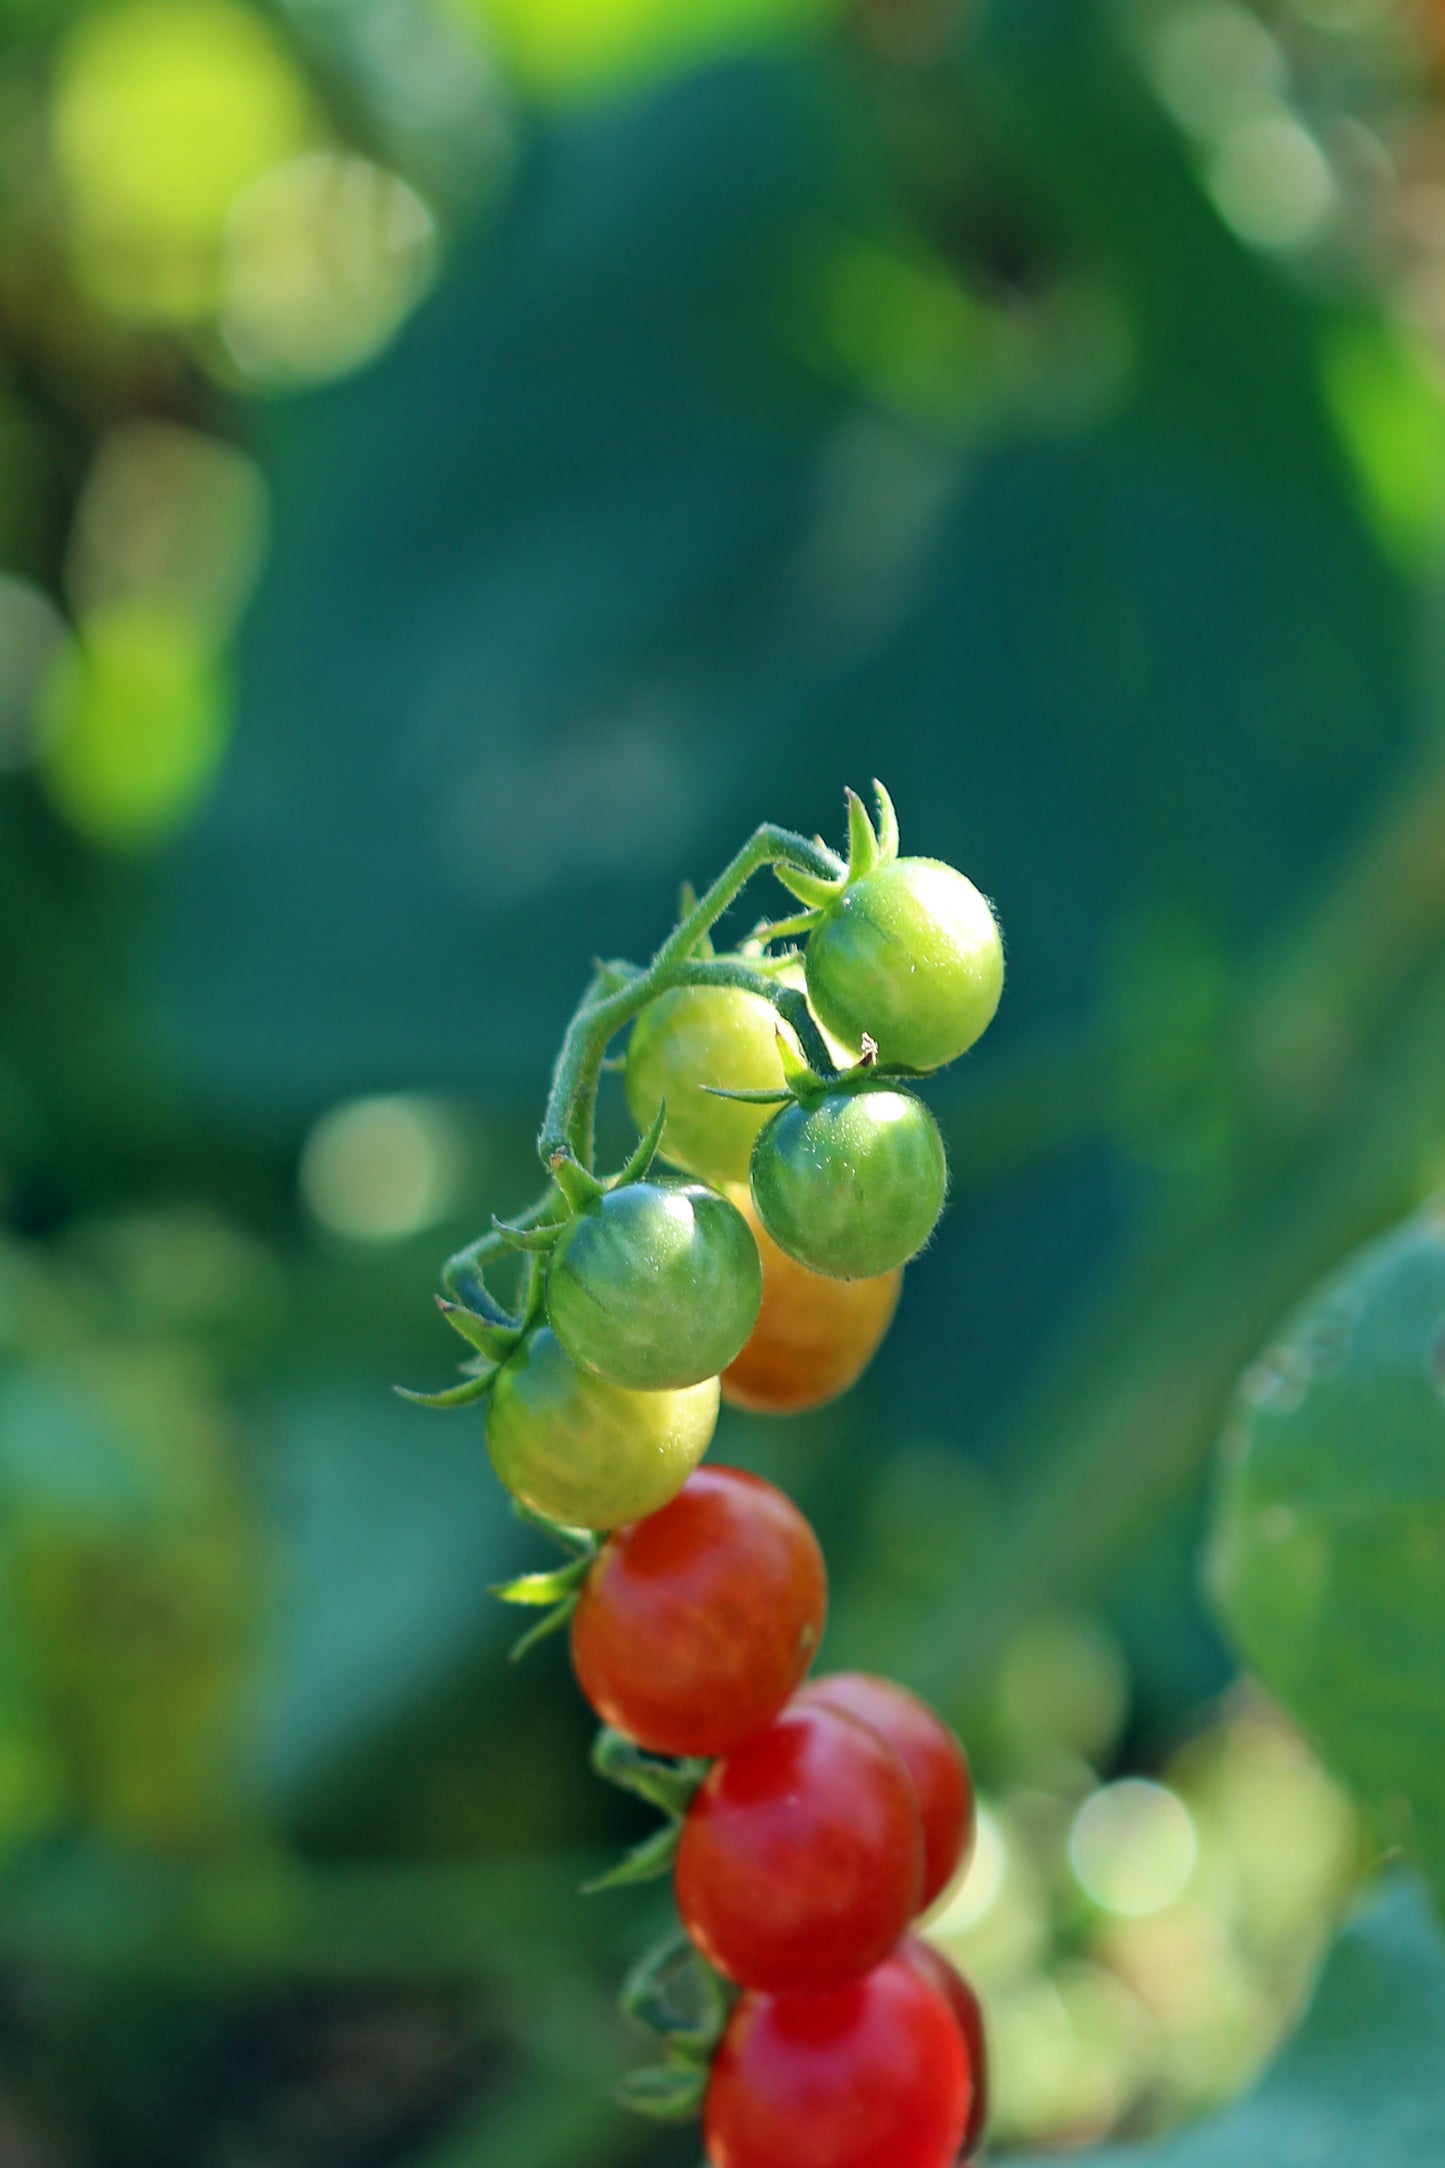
831	1815
809	1824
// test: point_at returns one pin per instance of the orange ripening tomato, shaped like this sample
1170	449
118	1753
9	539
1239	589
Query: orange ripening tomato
814	1336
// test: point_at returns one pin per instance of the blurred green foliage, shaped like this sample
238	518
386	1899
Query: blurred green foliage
462	464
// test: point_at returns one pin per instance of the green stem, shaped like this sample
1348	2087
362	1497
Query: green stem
568	1122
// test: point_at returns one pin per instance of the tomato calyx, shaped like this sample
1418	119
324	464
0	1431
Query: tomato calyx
555	1593
869	846
668	1785
675	1993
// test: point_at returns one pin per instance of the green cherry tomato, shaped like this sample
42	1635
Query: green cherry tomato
584	1451
850	1183
909	954
655	1286
692	1037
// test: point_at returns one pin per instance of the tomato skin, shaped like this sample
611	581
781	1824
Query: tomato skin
695	1625
814	1336
686	1040
801	1858
934	1967
585	1452
928	1750
850	1184
911	955
871	2075
656	1285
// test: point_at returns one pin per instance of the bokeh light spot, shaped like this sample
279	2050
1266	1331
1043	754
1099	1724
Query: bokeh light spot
171	517
163	113
32	638
1133	1847
135	719
1272	183
325	259
380	1169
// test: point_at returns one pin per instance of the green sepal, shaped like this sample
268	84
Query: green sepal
802	1080
748	1099
780	929
669	1785
638	1165
544	1588
809	888
887	825
670	2092
551	1623
577	1183
674	1991
454	1396
535	1240
646	1862
489	1336
862	842
579	1541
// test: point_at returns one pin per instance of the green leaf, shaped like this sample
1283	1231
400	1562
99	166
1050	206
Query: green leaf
1328	1551
669	1785
862	842
668	2092
452	1396
544	1588
1362	2084
489	1336
641	1160
887	823
545	1627
646	1862
809	888
675	1991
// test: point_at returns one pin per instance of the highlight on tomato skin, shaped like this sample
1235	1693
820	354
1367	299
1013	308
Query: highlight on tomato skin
931	1753
801	1859
932	1965
695	1625
872	2075
814	1336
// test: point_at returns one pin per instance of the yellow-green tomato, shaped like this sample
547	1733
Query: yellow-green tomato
910	955
655	1286
693	1037
851	1183
584	1451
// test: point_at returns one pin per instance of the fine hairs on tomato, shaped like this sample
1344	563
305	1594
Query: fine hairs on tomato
934	1967
695	1625
801	1859
930	1753
871	2075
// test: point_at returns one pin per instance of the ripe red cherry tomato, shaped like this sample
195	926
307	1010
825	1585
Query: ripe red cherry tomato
933	1966
814	1336
872	2075
801	1859
696	1624
929	1752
